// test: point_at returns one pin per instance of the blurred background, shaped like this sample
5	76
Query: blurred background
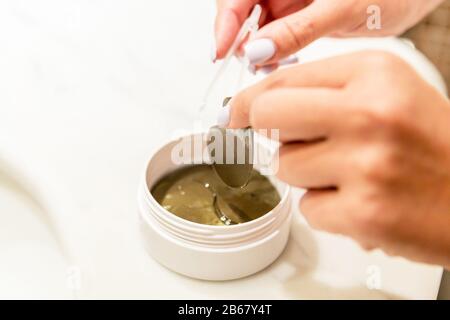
432	37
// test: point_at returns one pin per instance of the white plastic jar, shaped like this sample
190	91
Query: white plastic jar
204	251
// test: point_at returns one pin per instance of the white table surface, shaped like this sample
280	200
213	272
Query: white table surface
87	90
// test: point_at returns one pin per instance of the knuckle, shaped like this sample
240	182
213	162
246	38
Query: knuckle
388	115
379	165
392	108
364	119
300	32
392	111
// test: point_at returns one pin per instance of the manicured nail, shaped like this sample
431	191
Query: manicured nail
289	60
223	119
268	69
292	59
213	53
259	51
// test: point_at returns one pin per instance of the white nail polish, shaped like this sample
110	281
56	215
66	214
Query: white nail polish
268	69
223	118
213	53
259	51
289	60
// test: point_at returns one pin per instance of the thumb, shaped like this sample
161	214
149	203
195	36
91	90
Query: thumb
287	35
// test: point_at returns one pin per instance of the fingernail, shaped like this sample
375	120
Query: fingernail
223	119
268	69
289	60
259	51
213	53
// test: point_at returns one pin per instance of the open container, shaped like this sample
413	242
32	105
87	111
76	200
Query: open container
204	251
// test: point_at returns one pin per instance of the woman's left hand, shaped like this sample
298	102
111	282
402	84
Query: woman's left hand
370	141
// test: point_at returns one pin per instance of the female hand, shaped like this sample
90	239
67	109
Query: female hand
370	141
289	25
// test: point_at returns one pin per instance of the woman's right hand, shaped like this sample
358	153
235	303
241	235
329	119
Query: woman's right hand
289	25
368	139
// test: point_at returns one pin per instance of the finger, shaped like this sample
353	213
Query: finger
300	114
325	210
332	72
289	34
230	16
329	73
331	211
269	68
310	165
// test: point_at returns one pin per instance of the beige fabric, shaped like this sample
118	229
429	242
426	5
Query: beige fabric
432	37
